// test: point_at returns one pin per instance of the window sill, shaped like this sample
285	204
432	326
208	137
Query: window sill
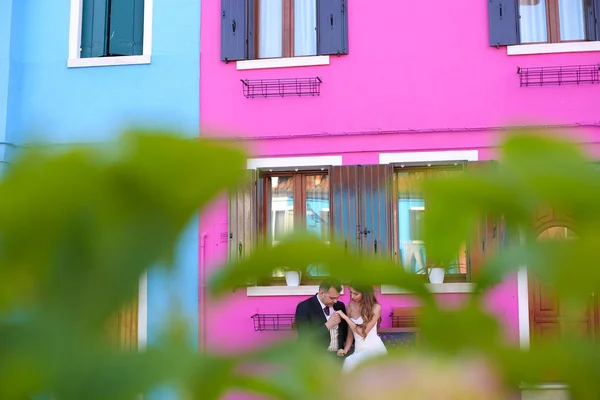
457	287
108	61
303	290
545	386
548	48
287	62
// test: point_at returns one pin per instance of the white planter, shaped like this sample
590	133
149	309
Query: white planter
436	275
292	278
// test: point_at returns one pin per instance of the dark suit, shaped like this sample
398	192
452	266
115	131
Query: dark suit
310	323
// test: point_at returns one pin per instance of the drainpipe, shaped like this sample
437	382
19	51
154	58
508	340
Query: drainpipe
202	294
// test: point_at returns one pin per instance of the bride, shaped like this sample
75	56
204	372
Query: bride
363	314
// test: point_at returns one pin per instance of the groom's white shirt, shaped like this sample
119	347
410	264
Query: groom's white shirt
333	332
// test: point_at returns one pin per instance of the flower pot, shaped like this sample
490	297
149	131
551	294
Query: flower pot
436	275
292	278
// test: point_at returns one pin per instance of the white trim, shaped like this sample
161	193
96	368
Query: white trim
75	41
75	29
143	312
425	156
108	61
457	287
547	48
544	386
284	162
286	62
307	290
523	307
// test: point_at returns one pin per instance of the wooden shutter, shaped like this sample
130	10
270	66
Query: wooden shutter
126	27
375	182
361	206
237	30
344	204
123	328
489	232
242	218
332	27
93	28
503	22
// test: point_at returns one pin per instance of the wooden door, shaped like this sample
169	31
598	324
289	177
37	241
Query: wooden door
547	318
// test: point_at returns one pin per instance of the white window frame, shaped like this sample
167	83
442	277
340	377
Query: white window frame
75	59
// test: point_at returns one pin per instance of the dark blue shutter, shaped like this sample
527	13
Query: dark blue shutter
93	28
503	20
332	27
362	213
592	8
126	26
237	25
344	203
376	219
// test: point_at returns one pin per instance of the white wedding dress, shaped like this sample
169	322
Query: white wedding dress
364	348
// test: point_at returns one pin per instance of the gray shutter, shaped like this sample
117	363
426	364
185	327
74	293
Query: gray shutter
344	204
93	28
375	182
237	16
592	7
332	27
503	22
242	219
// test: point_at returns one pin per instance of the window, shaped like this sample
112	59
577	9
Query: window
410	210
375	211
110	32
252	29
286	28
112	28
542	21
553	21
295	200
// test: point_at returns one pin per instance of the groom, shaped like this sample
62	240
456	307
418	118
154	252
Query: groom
316	317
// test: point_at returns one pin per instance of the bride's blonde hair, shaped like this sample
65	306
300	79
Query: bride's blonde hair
368	302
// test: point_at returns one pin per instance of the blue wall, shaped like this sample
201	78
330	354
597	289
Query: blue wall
43	100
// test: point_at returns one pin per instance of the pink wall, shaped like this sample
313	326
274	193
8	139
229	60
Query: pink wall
412	67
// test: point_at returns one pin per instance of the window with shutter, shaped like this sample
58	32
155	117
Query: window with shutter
112	28
542	21
253	29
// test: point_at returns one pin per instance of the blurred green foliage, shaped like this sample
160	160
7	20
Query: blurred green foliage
78	228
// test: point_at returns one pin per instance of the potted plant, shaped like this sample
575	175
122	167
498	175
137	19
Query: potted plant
293	277
437	271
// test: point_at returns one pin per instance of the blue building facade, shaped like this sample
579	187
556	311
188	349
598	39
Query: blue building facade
66	78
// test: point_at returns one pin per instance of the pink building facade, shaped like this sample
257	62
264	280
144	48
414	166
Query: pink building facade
415	84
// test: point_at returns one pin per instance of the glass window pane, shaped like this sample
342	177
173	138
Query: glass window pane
532	24
571	16
305	27
411	211
270	31
317	213
282	207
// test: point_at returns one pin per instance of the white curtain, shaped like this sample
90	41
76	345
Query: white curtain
305	27
533	20
572	26
270	30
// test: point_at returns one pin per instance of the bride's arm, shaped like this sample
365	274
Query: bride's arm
373	321
349	341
